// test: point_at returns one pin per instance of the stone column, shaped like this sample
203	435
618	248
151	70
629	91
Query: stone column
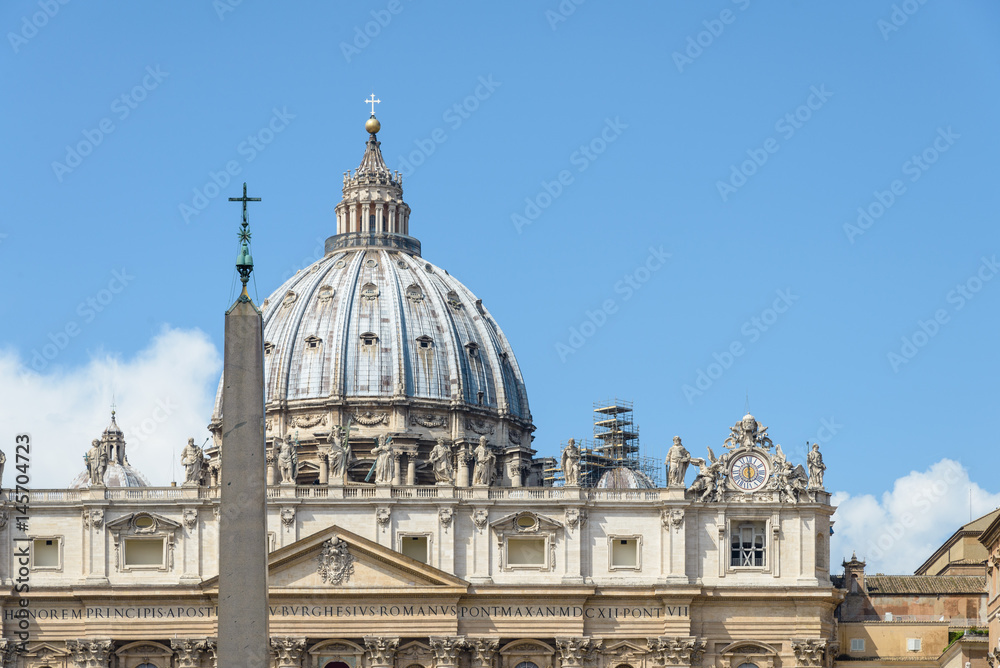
446	649
9	651
188	652
574	651
463	456
809	652
243	634
90	653
272	467
514	470
381	651
484	651
324	469
411	468
287	651
396	456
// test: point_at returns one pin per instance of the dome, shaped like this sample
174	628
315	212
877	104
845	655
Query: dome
111	448
375	338
622	477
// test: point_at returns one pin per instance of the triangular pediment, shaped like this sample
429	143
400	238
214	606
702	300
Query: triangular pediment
43	649
338	561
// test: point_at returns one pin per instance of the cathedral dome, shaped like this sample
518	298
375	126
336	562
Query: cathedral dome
375	336
622	477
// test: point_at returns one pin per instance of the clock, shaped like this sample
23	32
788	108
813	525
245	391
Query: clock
748	472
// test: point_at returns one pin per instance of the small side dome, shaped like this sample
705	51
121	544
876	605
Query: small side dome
622	477
109	452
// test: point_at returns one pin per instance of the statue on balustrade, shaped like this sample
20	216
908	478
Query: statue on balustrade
486	464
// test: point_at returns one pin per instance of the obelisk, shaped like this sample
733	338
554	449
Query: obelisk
243	641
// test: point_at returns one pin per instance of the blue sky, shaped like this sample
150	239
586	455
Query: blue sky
686	178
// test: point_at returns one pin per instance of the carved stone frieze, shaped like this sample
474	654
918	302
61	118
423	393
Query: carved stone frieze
370	419
810	651
575	517
382	515
190	518
481	427
429	421
93	518
672	518
287	651
677	650
288	516
336	563
483	651
446	649
307	421
445	516
480	516
88	653
381	651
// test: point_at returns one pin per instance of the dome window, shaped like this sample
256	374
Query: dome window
473	348
369	339
289	299
268	347
414	293
453	300
425	342
369	291
313	342
326	293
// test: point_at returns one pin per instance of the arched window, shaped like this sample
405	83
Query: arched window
336	664
147	665
526	664
748	665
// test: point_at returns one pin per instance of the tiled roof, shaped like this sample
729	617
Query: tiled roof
925	584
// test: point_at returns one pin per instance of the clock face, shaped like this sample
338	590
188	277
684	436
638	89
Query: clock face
748	472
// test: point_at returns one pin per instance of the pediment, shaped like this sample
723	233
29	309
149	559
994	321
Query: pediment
624	648
525	522
45	649
339	561
744	647
142	523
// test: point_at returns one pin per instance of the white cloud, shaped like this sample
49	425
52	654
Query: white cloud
164	395
897	534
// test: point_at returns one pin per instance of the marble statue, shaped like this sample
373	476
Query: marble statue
192	460
288	461
814	460
440	459
340	453
678	459
571	464
385	462
486	464
3	460
706	482
748	433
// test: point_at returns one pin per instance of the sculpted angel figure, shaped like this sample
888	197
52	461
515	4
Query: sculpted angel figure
192	460
706	481
440	459
814	460
571	464
678	459
486	463
385	463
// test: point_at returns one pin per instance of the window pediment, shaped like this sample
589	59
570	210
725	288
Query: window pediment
518	523
142	524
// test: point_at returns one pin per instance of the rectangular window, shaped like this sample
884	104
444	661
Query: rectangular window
414	547
913	644
624	552
857	644
143	552
45	553
748	546
526	552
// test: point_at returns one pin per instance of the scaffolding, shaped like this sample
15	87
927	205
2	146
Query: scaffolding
615	445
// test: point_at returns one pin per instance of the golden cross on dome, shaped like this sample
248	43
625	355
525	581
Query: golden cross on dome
373	102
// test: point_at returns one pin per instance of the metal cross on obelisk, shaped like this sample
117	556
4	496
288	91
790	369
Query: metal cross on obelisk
373	102
246	199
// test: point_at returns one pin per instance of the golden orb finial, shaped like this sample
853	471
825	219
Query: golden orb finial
372	125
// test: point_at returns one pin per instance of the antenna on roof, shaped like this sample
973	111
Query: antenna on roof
747	412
